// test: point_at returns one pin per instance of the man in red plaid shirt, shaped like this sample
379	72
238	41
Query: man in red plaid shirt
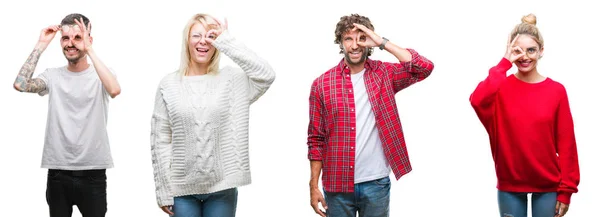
354	134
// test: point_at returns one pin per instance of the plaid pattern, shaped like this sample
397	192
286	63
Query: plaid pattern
331	131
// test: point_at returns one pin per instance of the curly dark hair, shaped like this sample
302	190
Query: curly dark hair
346	24
69	20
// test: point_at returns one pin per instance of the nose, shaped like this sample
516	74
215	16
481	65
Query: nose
202	40
70	42
354	44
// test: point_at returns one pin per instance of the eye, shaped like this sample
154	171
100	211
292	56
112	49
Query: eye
363	38
211	36
531	50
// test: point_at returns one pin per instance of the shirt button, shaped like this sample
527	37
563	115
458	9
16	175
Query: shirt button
350	91
351	147
352	128
350	167
351	110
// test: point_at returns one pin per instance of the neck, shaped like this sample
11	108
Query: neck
79	65
530	77
356	68
197	69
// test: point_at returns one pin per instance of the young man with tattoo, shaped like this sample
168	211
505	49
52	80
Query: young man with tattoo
76	147
355	135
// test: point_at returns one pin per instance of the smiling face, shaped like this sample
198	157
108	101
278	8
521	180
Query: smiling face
533	52
71	34
200	51
353	53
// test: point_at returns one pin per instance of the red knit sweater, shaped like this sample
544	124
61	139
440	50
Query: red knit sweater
531	133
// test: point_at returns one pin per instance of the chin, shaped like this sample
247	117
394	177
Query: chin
73	59
201	60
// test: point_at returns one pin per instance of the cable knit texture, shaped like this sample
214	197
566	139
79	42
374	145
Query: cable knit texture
199	138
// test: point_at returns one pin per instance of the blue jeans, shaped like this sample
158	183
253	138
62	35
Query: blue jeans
514	204
370	199
222	203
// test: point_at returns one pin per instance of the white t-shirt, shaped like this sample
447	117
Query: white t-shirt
370	162
76	136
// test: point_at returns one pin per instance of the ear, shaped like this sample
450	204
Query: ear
91	39
541	52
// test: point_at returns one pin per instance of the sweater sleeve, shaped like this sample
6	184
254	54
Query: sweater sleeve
482	99
258	70
567	151
160	141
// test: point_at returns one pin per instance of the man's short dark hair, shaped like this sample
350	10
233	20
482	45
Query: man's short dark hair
70	20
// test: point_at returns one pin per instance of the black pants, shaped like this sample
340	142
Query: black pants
86	189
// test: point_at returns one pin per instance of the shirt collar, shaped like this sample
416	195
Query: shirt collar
344	69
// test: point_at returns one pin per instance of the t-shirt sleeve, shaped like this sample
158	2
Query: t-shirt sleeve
45	76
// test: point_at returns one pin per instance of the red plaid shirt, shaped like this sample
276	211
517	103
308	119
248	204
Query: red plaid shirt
332	127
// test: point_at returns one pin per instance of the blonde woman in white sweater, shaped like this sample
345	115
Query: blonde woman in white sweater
199	133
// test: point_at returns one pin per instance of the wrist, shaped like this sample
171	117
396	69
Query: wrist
383	43
41	46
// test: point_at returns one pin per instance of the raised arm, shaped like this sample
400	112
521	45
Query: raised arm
411	68
24	81
258	70
109	81
485	92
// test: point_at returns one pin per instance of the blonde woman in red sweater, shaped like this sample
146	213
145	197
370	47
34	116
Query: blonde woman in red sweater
528	120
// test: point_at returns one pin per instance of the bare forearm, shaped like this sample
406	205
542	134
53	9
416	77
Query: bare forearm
401	54
109	81
315	172
24	82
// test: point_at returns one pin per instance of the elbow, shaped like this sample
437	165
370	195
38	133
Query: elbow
429	69
115	92
271	76
474	101
17	87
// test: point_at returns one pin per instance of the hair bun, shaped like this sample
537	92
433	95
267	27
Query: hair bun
530	19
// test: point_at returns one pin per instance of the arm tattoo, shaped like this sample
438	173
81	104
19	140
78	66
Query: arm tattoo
24	80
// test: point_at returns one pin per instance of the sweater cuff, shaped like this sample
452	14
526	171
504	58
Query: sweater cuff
166	202
564	197
223	38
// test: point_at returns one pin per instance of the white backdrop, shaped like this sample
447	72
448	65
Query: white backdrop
453	170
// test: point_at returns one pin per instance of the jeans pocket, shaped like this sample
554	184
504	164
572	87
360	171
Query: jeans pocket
97	179
52	174
383	182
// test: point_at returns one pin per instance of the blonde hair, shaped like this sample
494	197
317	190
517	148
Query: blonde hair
528	27
186	59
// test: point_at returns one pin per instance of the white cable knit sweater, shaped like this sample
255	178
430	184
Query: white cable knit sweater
199	135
